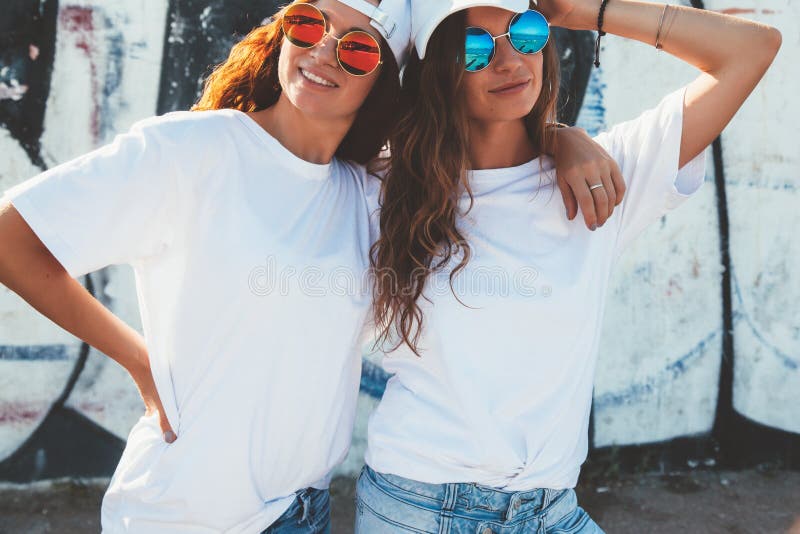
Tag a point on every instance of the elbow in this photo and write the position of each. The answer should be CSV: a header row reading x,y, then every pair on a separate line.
x,y
777,38
764,42
772,43
763,54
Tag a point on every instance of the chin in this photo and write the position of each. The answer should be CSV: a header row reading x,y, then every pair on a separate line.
x,y
311,103
513,113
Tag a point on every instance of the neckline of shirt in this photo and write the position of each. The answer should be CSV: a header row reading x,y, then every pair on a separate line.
x,y
483,178
295,163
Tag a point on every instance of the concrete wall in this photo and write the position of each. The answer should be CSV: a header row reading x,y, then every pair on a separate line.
x,y
702,324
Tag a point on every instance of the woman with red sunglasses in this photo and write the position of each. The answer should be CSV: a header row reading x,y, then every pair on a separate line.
x,y
239,220
491,317
229,215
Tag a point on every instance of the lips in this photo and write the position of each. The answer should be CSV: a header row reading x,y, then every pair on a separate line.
x,y
317,78
511,86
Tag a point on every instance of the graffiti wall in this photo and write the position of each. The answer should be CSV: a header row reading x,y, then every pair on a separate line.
x,y
702,336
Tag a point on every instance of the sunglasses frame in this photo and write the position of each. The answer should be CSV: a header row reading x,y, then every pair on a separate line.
x,y
327,33
507,35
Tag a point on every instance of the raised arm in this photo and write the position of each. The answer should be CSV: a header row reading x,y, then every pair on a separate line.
x,y
732,53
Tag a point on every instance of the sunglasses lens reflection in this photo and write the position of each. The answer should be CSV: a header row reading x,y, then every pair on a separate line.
x,y
529,32
479,49
359,53
303,25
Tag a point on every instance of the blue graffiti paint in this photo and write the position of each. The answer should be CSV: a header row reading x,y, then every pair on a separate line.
x,y
787,360
592,116
750,184
114,59
639,391
373,379
27,353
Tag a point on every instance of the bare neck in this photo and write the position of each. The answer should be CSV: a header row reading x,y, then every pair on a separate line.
x,y
499,144
309,138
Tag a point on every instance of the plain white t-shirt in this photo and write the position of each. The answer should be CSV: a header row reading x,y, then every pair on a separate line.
x,y
248,263
502,393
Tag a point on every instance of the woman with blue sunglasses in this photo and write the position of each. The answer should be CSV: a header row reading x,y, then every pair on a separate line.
x,y
491,316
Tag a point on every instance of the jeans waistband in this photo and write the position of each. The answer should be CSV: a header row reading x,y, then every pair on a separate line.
x,y
480,501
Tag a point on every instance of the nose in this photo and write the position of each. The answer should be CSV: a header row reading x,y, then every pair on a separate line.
x,y
506,58
325,51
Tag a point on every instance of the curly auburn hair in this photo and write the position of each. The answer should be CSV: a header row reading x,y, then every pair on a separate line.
x,y
248,81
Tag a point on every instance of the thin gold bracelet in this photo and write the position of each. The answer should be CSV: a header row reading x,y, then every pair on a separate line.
x,y
673,13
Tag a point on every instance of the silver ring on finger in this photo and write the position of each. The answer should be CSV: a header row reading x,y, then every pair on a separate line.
x,y
595,186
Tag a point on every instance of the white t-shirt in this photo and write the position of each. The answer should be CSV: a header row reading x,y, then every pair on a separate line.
x,y
248,263
502,393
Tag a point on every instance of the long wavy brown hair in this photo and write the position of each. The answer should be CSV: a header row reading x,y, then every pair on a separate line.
x,y
426,174
248,81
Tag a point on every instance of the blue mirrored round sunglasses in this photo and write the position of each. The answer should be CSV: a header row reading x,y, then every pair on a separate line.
x,y
528,32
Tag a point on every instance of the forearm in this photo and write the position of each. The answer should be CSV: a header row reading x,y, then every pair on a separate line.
x,y
30,270
732,53
710,41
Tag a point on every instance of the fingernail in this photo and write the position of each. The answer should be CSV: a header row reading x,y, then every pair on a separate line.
x,y
169,436
593,227
567,210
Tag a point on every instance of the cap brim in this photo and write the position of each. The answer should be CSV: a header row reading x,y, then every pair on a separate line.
x,y
424,35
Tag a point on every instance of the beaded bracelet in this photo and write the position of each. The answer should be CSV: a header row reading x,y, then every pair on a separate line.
x,y
600,33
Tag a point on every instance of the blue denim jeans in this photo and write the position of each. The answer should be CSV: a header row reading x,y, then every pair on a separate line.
x,y
310,513
393,504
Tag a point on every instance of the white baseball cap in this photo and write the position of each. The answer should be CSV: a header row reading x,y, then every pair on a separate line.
x,y
426,15
392,19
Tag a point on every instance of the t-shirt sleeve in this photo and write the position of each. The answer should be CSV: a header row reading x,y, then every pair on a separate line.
x,y
110,206
647,150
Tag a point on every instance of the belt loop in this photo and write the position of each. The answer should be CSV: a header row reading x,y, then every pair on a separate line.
x,y
514,504
547,498
305,503
450,495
